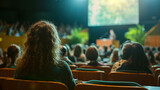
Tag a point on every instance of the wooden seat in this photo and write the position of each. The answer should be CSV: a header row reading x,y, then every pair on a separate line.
x,y
159,80
141,78
111,65
2,82
87,75
157,73
17,84
155,67
72,67
106,69
80,64
83,86
7,72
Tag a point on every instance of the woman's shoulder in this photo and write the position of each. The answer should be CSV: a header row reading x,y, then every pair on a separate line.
x,y
62,64
118,64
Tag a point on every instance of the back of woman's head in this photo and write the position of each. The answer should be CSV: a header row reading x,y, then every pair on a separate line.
x,y
114,56
138,57
72,58
92,53
13,52
63,51
78,50
42,46
126,51
68,50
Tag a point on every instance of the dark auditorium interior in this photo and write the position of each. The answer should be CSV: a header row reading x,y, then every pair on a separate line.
x,y
79,44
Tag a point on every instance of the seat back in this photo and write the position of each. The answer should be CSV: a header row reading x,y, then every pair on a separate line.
x,y
80,64
87,75
111,65
17,84
83,86
7,72
2,79
159,80
157,73
155,67
106,69
72,67
141,78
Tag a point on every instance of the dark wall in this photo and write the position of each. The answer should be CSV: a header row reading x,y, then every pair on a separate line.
x,y
58,11
73,11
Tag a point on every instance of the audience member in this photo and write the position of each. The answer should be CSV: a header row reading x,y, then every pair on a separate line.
x,y
153,50
157,55
64,55
92,56
105,55
72,58
125,55
146,49
151,57
78,53
114,57
4,59
1,53
137,61
13,53
40,59
110,51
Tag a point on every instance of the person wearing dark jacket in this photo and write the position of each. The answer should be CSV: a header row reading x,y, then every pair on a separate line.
x,y
41,57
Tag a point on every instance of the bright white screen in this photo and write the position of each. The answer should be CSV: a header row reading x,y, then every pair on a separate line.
x,y
113,12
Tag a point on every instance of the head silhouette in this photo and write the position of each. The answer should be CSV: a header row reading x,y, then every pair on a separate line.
x,y
41,48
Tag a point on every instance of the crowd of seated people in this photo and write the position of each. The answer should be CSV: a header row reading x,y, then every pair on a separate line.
x,y
44,59
20,28
14,29
10,56
64,30
157,55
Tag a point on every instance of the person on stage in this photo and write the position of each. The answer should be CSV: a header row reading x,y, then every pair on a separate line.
x,y
112,35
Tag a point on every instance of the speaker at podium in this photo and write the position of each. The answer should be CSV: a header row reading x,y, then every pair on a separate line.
x,y
107,42
110,41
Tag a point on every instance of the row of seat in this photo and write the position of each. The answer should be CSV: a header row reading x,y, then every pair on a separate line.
x,y
141,78
78,65
107,70
17,84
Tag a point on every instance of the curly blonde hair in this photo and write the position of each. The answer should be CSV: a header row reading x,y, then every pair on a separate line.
x,y
41,48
